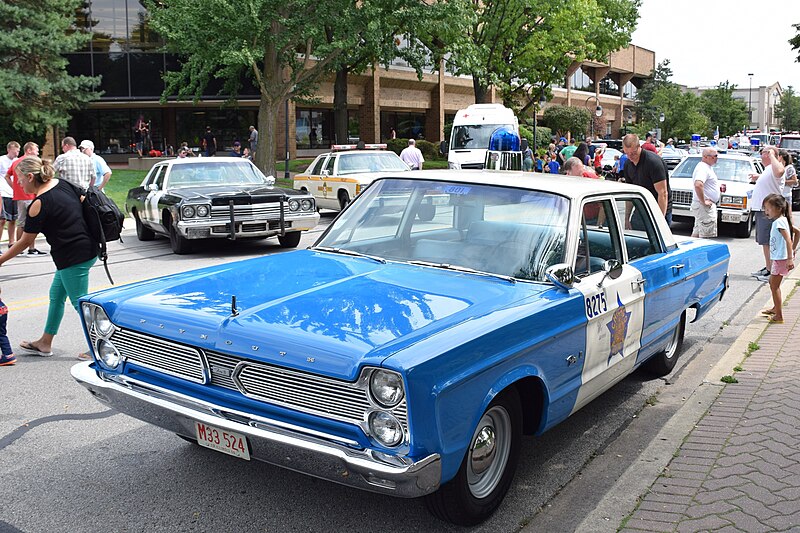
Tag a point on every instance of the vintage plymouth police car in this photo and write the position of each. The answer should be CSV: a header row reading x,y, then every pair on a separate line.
x,y
439,318
217,198
336,177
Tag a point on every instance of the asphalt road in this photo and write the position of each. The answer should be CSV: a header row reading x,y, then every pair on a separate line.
x,y
69,464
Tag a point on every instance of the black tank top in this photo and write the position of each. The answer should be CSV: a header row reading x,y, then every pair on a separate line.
x,y
61,221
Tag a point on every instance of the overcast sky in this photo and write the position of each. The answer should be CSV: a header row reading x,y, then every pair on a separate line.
x,y
710,41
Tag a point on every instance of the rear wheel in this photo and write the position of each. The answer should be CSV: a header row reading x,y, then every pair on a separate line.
x,y
143,233
179,244
344,199
487,469
745,229
663,362
290,240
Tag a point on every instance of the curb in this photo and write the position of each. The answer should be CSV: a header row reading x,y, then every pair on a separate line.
x,y
624,496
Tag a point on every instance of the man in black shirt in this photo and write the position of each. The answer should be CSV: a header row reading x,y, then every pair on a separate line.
x,y
647,170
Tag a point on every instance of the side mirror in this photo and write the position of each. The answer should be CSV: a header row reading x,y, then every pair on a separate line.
x,y
561,275
444,148
612,269
324,173
152,187
270,180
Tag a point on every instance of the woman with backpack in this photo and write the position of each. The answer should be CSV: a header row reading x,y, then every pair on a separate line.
x,y
57,213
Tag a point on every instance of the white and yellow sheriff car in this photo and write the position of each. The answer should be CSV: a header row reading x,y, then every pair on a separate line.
x,y
336,177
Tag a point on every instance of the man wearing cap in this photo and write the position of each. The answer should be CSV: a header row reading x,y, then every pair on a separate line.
x,y
237,150
101,169
73,166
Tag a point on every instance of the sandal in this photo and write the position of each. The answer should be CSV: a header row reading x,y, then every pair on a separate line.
x,y
27,345
767,312
772,320
84,357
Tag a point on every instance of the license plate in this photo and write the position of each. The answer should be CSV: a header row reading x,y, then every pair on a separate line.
x,y
222,440
731,217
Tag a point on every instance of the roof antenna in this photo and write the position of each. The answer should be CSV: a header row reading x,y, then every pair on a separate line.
x,y
234,311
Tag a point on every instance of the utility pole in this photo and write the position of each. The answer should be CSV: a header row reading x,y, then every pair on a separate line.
x,y
750,103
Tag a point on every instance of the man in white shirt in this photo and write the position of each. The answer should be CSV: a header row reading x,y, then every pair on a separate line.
x,y
101,169
412,156
769,182
705,195
8,210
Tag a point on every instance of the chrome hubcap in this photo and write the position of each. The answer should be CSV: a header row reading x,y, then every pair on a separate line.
x,y
483,450
489,452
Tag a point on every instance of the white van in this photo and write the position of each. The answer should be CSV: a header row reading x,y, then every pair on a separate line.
x,y
472,128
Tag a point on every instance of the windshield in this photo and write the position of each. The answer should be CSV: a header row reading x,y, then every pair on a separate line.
x,y
497,230
727,169
374,162
790,144
208,174
474,136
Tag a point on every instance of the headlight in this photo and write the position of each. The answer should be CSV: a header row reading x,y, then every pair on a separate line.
x,y
307,205
202,210
88,316
386,388
736,200
187,211
108,353
294,205
101,321
385,428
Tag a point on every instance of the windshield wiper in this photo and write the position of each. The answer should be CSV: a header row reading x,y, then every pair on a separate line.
x,y
467,270
353,253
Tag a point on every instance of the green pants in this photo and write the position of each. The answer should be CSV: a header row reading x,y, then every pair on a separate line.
x,y
71,281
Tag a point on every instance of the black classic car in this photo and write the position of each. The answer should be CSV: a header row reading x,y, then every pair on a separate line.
x,y
213,198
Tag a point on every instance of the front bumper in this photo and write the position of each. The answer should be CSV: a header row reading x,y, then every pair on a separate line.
x,y
207,229
270,441
726,214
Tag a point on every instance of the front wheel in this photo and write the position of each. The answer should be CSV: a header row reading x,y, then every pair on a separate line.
x,y
290,240
744,229
179,244
344,199
487,469
664,361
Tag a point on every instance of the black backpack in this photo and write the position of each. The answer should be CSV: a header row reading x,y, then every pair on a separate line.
x,y
104,220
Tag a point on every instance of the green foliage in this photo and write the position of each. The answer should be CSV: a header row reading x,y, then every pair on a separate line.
x,y
519,44
543,134
682,115
795,41
35,89
562,119
738,368
430,151
729,379
788,110
723,110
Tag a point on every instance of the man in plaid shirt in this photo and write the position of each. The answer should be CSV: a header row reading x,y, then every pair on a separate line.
x,y
74,166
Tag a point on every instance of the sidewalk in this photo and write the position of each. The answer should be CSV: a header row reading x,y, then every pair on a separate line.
x,y
738,469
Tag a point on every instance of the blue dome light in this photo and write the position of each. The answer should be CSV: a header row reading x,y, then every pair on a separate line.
x,y
504,140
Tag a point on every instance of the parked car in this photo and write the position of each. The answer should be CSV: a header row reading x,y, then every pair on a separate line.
x,y
733,170
335,178
438,318
791,143
217,198
672,156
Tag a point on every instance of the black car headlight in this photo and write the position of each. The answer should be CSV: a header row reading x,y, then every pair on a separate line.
x,y
187,211
307,204
294,205
202,210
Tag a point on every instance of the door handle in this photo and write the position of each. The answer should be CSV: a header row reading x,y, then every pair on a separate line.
x,y
677,268
636,285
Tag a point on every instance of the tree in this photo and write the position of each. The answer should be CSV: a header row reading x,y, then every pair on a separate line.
x,y
795,42
280,46
562,119
519,44
682,115
723,110
788,110
35,88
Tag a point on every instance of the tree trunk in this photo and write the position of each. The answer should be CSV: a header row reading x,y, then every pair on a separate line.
x,y
481,90
340,119
267,131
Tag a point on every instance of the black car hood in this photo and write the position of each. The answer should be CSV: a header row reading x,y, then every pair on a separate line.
x,y
239,194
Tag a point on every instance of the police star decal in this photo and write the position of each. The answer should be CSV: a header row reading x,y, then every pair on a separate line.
x,y
619,330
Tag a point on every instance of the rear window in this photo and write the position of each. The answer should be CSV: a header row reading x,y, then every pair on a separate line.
x,y
790,144
726,169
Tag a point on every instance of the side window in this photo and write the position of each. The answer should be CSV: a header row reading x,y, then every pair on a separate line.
x,y
641,236
599,237
316,169
151,177
329,166
159,179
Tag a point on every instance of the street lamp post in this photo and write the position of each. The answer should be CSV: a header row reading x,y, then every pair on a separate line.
x,y
750,102
661,118
542,101
598,110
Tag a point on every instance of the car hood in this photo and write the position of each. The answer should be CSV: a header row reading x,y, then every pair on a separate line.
x,y
218,194
734,188
312,311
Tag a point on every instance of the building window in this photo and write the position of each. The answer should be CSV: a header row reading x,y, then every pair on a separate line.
x,y
313,128
629,91
227,125
609,86
146,71
580,81
406,125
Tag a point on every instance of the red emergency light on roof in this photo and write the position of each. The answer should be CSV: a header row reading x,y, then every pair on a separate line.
x,y
341,147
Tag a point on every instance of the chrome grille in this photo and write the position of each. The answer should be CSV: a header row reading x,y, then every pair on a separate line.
x,y
682,197
159,354
245,212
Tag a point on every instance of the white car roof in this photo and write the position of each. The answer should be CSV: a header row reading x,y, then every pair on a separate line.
x,y
212,160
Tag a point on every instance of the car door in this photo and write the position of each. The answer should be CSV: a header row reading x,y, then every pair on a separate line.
x,y
613,302
662,274
152,212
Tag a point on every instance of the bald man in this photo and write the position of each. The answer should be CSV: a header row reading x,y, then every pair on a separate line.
x,y
705,195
